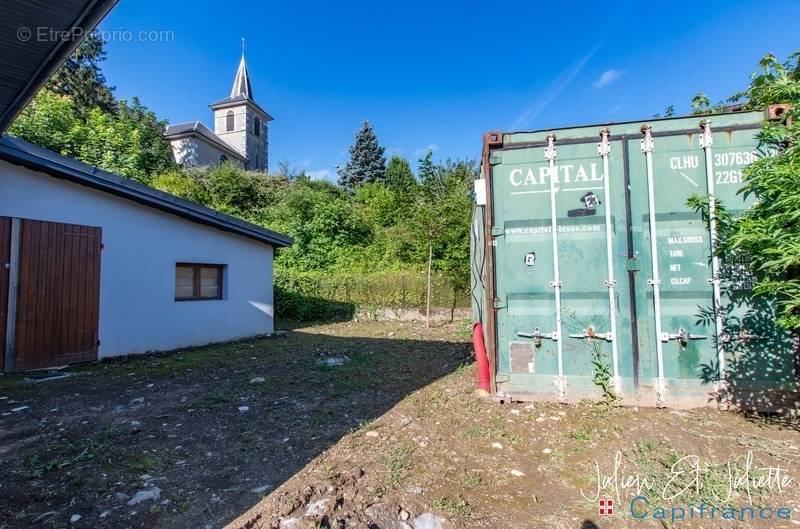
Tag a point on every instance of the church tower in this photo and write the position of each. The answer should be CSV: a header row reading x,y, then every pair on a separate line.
x,y
241,123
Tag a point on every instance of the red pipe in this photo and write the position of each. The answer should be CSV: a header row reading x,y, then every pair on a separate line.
x,y
481,358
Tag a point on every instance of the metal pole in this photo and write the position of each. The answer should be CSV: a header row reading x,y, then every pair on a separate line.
x,y
13,295
706,141
550,156
647,148
604,149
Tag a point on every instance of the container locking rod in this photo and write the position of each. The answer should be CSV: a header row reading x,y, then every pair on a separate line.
x,y
604,150
647,146
706,141
550,156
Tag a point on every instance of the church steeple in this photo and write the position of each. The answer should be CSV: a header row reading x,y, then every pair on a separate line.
x,y
241,123
241,83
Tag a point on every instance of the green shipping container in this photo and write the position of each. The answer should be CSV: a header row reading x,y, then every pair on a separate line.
x,y
603,275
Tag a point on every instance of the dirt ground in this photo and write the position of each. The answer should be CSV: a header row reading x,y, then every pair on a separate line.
x,y
365,425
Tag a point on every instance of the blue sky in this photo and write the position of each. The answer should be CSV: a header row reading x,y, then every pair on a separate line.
x,y
438,74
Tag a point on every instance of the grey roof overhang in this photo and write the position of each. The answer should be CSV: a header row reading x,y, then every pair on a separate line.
x,y
19,152
33,44
197,129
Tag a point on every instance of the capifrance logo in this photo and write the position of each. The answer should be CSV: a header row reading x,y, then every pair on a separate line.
x,y
641,509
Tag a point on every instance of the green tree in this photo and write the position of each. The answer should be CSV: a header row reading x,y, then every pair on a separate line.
x,y
81,79
367,163
442,220
129,142
399,175
769,231
701,104
48,121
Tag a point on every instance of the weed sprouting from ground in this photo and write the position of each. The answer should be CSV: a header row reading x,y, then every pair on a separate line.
x,y
362,428
475,432
458,507
398,463
471,480
603,376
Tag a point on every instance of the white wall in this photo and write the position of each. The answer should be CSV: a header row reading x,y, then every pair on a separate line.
x,y
192,151
137,274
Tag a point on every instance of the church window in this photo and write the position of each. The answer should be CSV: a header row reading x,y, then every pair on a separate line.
x,y
257,126
229,121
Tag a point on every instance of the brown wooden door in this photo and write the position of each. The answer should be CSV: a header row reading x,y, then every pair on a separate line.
x,y
58,299
5,263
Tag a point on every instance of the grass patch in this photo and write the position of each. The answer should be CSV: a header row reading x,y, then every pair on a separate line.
x,y
471,480
475,432
398,463
362,428
455,508
216,400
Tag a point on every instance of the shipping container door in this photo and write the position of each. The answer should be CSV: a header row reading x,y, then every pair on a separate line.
x,y
679,327
528,332
58,296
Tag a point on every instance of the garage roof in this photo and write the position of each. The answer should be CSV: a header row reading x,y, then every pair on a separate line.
x,y
26,154
36,37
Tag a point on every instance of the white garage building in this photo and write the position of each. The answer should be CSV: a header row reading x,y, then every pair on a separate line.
x,y
94,265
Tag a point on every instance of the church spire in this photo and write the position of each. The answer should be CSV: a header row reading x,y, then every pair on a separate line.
x,y
241,83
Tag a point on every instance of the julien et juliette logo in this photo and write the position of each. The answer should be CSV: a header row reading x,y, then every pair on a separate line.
x,y
685,493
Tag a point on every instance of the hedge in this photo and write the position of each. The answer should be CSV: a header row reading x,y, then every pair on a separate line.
x,y
319,295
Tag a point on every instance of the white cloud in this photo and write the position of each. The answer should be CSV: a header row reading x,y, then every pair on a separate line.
x,y
320,174
422,151
608,77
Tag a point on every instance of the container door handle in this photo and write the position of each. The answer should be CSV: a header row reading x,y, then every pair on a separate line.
x,y
590,334
537,336
742,336
682,336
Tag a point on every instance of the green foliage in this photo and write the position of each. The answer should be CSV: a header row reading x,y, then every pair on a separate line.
x,y
367,163
322,295
129,142
76,115
701,104
775,82
399,174
603,375
80,78
768,233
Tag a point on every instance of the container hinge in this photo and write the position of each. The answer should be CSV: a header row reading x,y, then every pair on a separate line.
x,y
610,284
647,144
498,304
550,149
498,231
706,139
560,382
555,284
661,392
